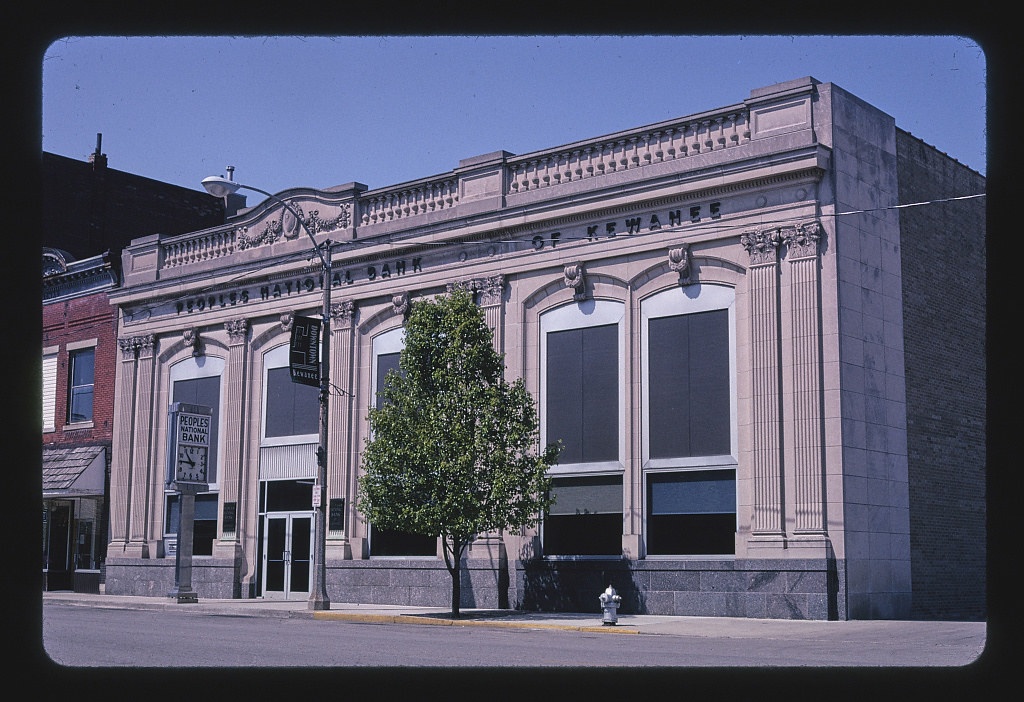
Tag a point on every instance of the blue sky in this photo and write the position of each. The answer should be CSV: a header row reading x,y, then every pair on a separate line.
x,y
381,110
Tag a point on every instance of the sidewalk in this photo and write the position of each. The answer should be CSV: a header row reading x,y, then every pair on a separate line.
x,y
968,636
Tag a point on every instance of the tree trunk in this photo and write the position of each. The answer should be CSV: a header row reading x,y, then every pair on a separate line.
x,y
453,561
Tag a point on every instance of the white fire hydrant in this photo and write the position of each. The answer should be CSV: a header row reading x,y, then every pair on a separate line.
x,y
610,605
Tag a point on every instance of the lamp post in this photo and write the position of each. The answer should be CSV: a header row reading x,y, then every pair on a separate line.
x,y
318,599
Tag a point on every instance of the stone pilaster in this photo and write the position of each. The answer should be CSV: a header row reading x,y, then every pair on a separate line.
x,y
808,422
145,478
121,465
341,468
232,477
768,507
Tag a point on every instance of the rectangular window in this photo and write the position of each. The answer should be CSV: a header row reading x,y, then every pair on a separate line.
x,y
203,391
80,384
689,385
204,529
586,519
49,391
582,393
293,409
691,513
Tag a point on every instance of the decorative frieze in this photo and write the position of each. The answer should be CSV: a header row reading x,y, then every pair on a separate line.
x,y
488,291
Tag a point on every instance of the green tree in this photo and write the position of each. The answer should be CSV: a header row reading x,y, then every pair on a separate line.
x,y
453,447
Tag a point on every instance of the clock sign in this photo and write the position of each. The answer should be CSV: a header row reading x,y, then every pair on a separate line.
x,y
189,439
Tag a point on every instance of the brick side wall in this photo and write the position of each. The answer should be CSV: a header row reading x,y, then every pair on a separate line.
x,y
944,272
78,319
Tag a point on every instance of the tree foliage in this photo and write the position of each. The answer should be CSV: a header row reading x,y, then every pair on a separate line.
x,y
453,447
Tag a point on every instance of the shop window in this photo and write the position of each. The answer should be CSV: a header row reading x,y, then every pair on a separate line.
x,y
586,518
80,384
204,527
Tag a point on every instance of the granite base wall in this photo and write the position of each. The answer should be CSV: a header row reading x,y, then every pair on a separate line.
x,y
423,583
768,589
212,578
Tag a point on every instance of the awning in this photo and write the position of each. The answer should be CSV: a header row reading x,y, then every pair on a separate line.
x,y
74,472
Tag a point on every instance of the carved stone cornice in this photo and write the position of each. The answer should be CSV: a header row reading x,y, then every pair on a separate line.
x,y
133,345
575,277
762,245
802,240
237,329
679,261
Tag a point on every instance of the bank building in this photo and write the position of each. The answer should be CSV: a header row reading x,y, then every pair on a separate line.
x,y
757,331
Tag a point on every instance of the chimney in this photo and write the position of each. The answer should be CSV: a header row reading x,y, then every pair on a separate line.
x,y
97,159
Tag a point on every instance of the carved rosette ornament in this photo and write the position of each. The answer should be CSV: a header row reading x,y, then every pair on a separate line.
x,y
679,261
400,301
190,337
762,245
576,278
802,240
237,329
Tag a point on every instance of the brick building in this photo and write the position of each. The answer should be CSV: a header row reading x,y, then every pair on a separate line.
x,y
90,212
738,323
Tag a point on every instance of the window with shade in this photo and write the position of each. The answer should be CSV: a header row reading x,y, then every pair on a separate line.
x,y
689,435
581,401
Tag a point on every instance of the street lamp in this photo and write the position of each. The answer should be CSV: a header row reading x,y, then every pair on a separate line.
x,y
318,599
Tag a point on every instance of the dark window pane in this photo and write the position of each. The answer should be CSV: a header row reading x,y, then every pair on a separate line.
x,y
691,534
289,495
582,393
390,542
80,385
583,535
688,385
292,408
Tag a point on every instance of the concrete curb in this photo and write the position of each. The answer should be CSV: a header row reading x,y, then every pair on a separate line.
x,y
434,621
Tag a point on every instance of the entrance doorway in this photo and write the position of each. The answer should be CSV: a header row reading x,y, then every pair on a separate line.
x,y
287,556
285,568
58,554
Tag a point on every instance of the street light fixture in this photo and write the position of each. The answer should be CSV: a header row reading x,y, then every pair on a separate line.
x,y
318,599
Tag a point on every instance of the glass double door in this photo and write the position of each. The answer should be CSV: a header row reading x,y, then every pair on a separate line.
x,y
287,555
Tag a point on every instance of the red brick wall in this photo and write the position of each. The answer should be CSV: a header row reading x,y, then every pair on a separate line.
x,y
943,259
78,319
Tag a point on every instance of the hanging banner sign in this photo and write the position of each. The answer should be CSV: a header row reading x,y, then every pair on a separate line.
x,y
304,351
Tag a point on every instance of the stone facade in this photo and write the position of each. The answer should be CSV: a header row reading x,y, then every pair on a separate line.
x,y
726,290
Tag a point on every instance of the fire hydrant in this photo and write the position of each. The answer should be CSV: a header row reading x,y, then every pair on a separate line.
x,y
610,604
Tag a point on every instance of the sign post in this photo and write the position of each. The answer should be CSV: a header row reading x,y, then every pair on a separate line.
x,y
188,451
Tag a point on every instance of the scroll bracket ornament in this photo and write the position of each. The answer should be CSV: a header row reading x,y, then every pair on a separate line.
x,y
679,261
575,277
